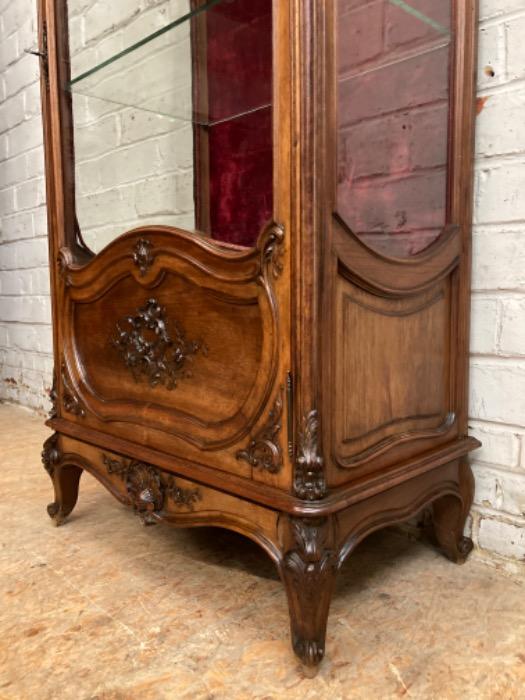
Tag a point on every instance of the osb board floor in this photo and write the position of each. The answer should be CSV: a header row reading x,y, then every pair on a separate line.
x,y
104,609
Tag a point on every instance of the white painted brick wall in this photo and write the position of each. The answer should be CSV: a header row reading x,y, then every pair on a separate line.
x,y
498,323
25,331
497,403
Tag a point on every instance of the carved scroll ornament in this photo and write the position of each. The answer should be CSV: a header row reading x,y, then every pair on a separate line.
x,y
270,246
153,347
264,450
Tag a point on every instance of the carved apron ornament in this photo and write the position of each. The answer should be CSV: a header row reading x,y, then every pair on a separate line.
x,y
153,347
146,489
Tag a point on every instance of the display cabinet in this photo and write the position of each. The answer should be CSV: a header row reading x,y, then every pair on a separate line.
x,y
259,216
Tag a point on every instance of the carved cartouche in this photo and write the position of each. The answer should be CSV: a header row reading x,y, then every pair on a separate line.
x,y
154,348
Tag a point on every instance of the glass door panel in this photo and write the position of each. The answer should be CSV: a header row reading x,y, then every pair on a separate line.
x,y
393,96
172,114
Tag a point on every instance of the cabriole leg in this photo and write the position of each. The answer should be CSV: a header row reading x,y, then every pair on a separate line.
x,y
308,571
65,478
450,515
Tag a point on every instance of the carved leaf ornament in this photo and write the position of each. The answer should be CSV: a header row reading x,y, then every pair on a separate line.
x,y
309,479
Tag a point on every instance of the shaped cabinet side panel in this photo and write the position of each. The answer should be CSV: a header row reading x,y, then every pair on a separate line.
x,y
178,350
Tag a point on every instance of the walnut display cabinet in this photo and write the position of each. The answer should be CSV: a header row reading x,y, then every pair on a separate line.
x,y
259,216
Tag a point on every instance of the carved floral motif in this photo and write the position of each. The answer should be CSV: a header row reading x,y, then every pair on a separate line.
x,y
152,350
264,450
142,255
147,490
309,478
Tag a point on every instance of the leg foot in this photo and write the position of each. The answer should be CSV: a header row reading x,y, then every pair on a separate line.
x,y
450,515
310,671
65,478
58,518
308,571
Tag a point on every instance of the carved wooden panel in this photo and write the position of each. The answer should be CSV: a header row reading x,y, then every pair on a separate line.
x,y
176,335
119,368
392,370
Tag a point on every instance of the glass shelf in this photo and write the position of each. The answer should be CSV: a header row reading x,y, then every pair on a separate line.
x,y
413,11
184,17
152,75
172,115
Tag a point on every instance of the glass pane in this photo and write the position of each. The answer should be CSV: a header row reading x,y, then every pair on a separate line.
x,y
393,113
172,111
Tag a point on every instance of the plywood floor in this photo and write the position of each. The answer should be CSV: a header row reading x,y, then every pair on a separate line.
x,y
104,609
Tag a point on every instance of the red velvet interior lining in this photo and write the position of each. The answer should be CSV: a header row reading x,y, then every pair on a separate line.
x,y
239,66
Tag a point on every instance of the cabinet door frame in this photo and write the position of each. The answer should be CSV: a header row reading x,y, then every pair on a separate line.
x,y
445,262
265,268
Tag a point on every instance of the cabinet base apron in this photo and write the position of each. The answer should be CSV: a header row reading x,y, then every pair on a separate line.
x,y
308,541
